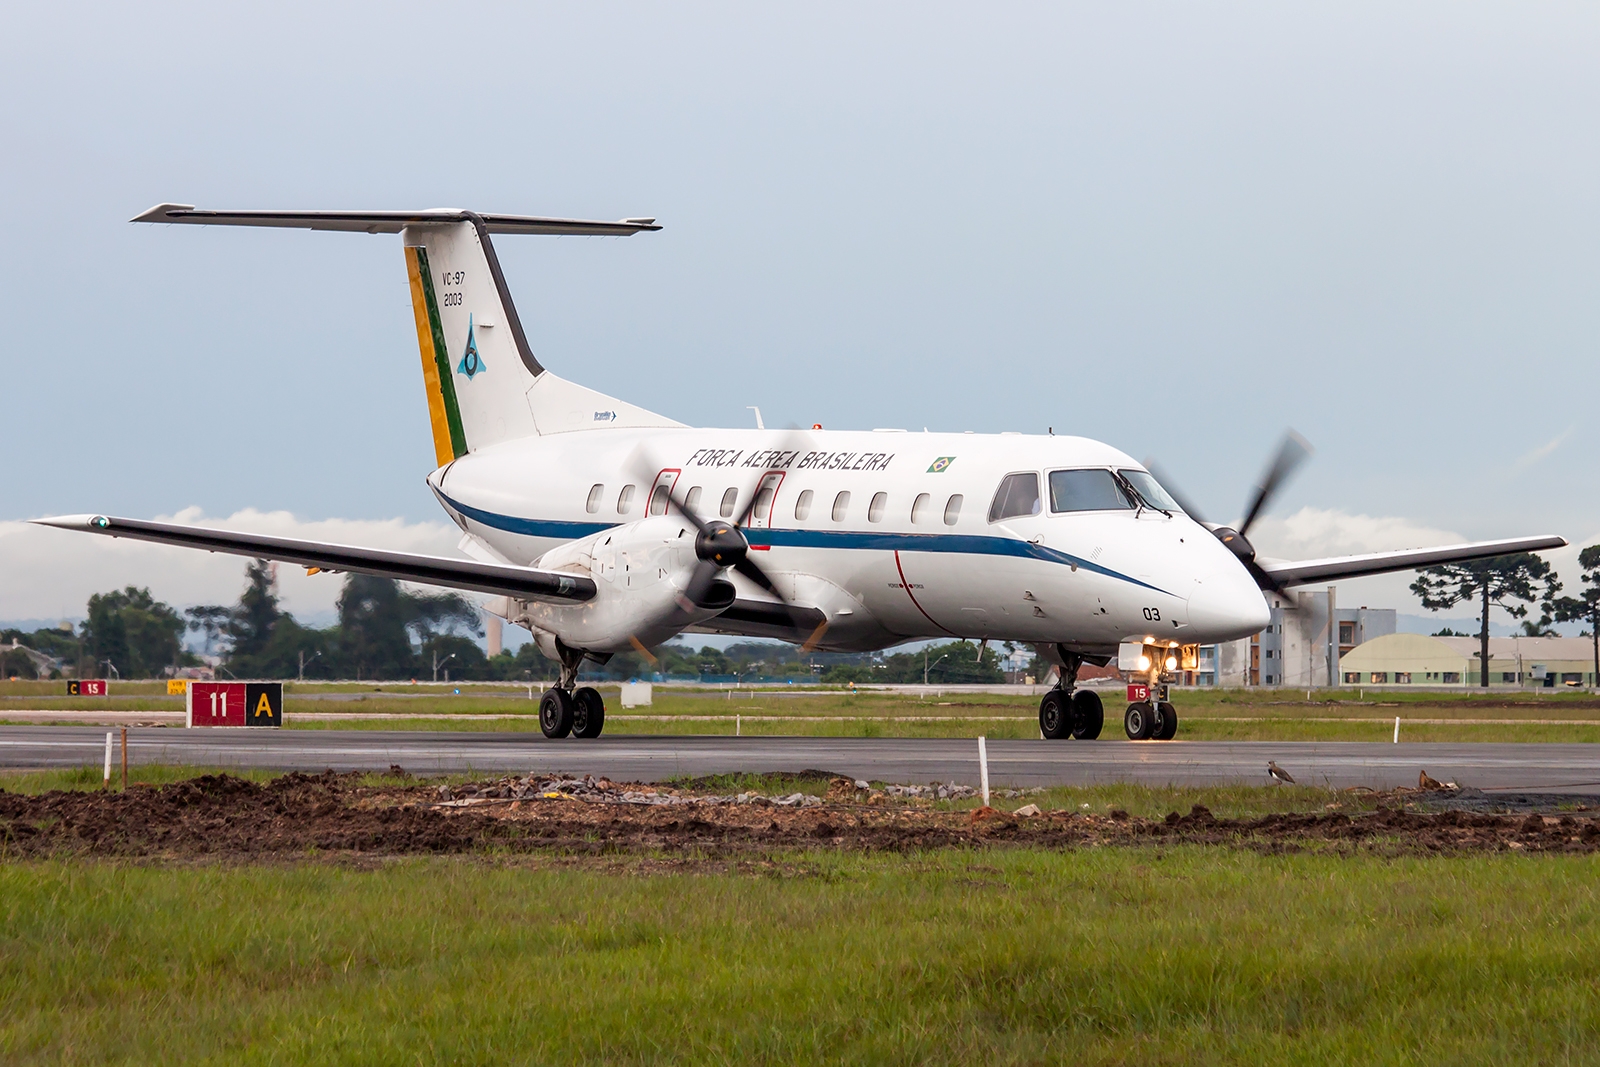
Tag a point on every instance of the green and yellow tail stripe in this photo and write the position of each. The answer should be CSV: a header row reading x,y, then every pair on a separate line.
x,y
449,439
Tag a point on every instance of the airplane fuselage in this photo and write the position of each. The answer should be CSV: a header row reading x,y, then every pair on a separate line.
x,y
893,535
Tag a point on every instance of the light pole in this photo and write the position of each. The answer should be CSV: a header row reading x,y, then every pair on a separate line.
x,y
303,661
936,662
112,667
437,662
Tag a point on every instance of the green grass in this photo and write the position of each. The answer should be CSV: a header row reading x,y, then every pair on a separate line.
x,y
1100,956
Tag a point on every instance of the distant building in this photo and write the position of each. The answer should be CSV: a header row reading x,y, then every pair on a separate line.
x,y
1297,648
1415,659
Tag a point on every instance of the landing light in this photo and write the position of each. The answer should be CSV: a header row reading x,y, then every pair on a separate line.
x,y
1172,663
1144,663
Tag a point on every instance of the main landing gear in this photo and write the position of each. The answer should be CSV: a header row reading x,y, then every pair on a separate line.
x,y
1067,711
564,710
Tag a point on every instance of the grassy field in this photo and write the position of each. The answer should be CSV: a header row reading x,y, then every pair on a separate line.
x,y
1097,956
1205,714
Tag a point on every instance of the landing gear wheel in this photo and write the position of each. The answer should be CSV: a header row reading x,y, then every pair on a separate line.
x,y
1167,722
1139,721
555,713
588,713
1088,714
1055,715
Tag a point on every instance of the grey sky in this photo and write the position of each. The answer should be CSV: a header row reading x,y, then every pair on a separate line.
x,y
1173,227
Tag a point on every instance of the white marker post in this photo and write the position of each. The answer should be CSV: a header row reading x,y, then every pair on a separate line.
x,y
736,726
106,782
1397,729
983,769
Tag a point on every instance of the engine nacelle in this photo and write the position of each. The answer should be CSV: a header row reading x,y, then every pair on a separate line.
x,y
641,570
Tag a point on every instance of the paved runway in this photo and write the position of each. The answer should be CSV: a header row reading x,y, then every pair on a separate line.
x,y
1571,768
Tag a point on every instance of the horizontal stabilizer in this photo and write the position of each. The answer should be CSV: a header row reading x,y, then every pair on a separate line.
x,y
1304,572
497,579
393,221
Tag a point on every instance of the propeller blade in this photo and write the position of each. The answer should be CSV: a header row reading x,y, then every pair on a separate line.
x,y
1265,580
705,572
1294,451
1160,475
751,570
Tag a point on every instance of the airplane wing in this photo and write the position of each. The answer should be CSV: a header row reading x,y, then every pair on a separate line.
x,y
495,578
1303,572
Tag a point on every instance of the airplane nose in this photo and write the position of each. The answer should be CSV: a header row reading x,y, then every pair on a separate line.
x,y
1228,606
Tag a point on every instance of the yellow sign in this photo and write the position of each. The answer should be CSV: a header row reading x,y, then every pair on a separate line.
x,y
264,706
176,687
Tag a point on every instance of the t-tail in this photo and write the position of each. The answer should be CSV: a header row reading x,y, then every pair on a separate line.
x,y
484,384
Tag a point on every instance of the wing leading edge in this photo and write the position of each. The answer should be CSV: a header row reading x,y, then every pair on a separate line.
x,y
1303,572
495,578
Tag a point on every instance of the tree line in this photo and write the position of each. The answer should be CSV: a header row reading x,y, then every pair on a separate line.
x,y
386,632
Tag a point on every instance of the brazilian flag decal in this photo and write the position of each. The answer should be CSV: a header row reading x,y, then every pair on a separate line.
x,y
449,439
941,464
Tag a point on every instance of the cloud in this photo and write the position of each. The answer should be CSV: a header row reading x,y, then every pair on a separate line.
x,y
47,573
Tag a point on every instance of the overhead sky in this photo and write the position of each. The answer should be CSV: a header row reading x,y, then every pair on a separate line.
x,y
1178,228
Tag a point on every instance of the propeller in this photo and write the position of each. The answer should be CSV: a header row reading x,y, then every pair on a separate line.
x,y
1293,450
721,545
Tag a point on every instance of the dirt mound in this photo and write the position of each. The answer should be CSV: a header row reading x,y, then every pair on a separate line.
x,y
220,816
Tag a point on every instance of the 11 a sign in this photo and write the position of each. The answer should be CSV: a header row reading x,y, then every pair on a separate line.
x,y
234,704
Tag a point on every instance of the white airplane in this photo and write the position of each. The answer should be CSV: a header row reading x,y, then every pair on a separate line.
x,y
603,527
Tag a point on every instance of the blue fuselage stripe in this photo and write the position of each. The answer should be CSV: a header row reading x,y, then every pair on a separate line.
x,y
967,544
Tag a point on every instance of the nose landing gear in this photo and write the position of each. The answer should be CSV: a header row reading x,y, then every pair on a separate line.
x,y
1150,715
1067,711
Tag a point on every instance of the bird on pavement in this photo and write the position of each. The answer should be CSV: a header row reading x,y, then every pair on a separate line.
x,y
1425,782
1278,774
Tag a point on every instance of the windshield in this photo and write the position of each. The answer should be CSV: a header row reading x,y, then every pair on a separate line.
x,y
1092,490
1151,490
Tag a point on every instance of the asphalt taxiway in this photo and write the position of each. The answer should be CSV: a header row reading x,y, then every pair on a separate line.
x,y
1550,768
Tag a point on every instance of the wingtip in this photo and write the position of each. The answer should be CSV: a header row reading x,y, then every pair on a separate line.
x,y
159,213
73,522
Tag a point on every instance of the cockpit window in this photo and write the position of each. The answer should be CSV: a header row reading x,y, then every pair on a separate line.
x,y
1146,486
1017,495
1092,490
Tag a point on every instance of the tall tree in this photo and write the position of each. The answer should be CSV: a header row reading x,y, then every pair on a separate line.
x,y
1586,606
1500,581
252,620
137,633
377,619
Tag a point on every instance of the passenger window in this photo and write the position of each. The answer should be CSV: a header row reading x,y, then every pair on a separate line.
x,y
802,506
593,504
841,504
875,509
952,510
729,498
919,507
1018,495
658,501
625,500
1094,490
691,503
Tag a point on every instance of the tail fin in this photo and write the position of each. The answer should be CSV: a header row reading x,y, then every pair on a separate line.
x,y
484,384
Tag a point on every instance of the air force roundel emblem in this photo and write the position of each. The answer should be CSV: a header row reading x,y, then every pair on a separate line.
x,y
471,363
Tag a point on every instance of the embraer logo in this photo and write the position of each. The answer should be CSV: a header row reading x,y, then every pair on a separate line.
x,y
471,362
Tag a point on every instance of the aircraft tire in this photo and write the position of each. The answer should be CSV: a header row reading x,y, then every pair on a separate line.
x,y
1167,726
1088,715
555,713
588,713
1055,715
1139,721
